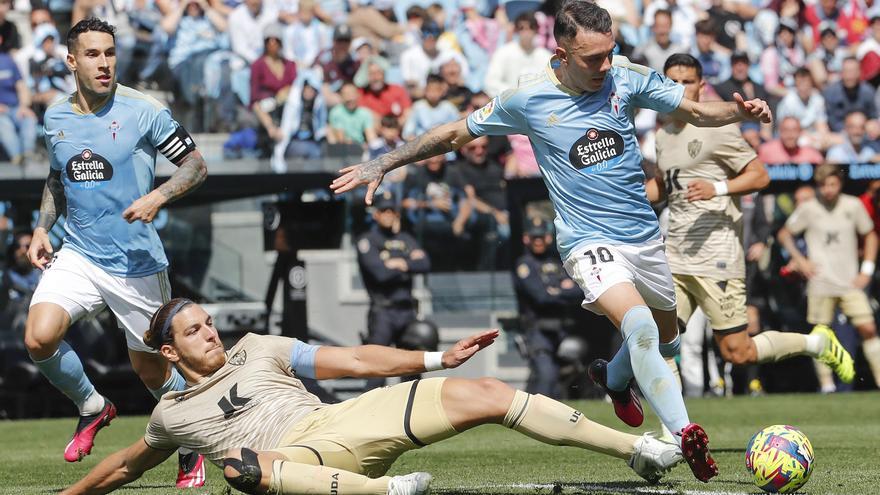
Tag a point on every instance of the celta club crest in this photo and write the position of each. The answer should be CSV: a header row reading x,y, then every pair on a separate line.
x,y
615,102
114,128
694,148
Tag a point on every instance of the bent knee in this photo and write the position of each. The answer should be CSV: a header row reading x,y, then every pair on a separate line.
x,y
241,468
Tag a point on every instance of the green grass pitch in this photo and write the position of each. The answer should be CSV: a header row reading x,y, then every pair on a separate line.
x,y
844,430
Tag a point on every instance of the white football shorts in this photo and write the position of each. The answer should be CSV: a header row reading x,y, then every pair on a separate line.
x,y
596,267
82,288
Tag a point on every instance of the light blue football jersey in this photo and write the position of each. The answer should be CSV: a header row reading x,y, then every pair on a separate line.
x,y
107,161
586,147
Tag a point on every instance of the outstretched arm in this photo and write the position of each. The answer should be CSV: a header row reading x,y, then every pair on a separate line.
x,y
379,361
53,204
119,468
719,113
752,178
439,140
191,172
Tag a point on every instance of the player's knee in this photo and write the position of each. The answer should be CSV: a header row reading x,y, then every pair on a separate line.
x,y
40,345
493,391
867,331
242,471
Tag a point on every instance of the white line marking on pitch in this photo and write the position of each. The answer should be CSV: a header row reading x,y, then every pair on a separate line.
x,y
603,489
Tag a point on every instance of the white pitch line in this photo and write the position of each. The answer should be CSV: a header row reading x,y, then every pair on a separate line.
x,y
601,489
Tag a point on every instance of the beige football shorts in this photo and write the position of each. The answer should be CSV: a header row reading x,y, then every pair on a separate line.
x,y
854,305
723,301
367,434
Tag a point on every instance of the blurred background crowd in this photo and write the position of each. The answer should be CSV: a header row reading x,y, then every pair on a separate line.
x,y
292,81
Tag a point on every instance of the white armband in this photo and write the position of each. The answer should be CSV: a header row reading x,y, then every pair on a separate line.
x,y
867,267
433,361
720,188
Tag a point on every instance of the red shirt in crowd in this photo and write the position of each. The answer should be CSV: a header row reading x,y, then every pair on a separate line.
x,y
773,153
391,100
264,82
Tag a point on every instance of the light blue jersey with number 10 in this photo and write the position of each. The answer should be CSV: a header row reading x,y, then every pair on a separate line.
x,y
586,148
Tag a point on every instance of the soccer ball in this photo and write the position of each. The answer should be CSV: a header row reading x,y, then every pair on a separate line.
x,y
780,458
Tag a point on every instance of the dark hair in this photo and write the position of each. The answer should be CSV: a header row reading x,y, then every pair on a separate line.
x,y
666,12
390,121
527,17
16,238
683,60
706,26
803,72
827,170
578,14
156,336
434,78
90,24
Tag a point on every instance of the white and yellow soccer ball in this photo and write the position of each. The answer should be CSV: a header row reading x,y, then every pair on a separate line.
x,y
780,458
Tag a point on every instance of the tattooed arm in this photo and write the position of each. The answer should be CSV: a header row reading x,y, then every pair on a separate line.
x,y
439,140
191,172
53,204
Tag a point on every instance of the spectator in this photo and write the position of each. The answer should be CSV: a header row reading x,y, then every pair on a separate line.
x,y
456,92
786,149
659,47
19,281
197,30
739,81
48,71
780,61
805,104
271,77
479,37
482,179
714,58
826,61
245,21
20,278
307,36
850,21
854,148
420,60
438,212
430,111
871,44
18,123
516,57
336,64
684,16
349,122
303,122
389,138
374,22
377,95
847,95
9,37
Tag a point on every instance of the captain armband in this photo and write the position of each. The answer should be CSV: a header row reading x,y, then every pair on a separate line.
x,y
177,146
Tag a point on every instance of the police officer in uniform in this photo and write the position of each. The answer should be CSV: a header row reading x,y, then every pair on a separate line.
x,y
546,297
388,259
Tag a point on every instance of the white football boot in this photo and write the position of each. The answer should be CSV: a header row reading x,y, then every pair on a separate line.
x,y
410,484
653,458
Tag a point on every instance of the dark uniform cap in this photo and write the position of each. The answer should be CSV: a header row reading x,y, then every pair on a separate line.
x,y
537,228
385,201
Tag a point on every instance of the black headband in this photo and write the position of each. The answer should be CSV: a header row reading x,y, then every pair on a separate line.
x,y
176,309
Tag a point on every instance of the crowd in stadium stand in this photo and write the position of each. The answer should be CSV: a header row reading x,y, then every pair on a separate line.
x,y
288,80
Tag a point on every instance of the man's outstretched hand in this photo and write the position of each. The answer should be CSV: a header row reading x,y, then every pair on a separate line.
x,y
756,109
369,174
467,347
